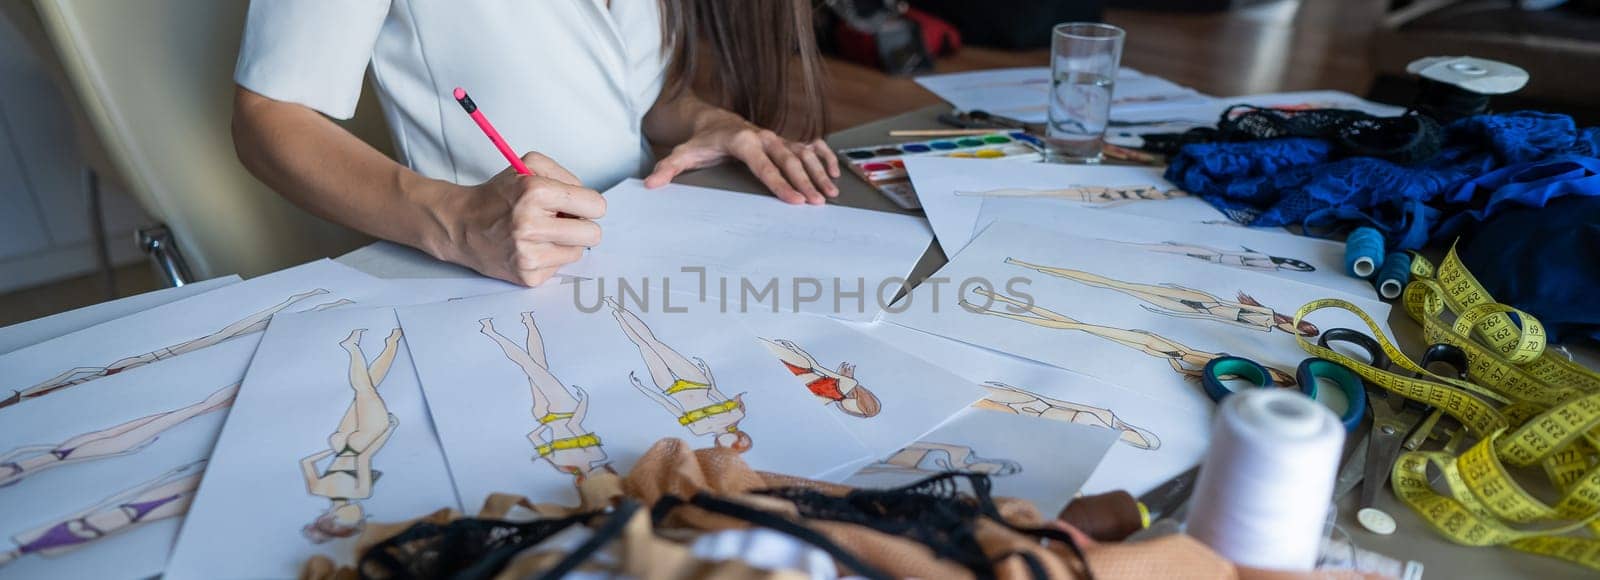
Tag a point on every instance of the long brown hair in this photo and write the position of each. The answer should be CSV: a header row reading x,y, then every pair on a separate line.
x,y
767,67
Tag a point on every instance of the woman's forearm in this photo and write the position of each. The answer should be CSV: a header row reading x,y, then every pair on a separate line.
x,y
669,123
326,170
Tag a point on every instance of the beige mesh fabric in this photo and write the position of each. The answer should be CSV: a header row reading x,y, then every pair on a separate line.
x,y
671,467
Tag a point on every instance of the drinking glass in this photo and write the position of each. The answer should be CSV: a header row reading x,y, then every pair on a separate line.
x,y
1083,69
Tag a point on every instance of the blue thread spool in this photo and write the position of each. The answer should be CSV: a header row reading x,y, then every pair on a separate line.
x,y
1395,274
1363,252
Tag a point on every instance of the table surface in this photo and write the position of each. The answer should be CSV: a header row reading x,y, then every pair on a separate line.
x,y
1413,541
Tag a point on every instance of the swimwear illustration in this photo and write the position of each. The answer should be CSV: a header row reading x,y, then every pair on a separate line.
x,y
560,437
1173,300
928,457
683,387
365,428
124,439
164,497
1008,399
254,323
838,388
1185,360
1243,258
1099,195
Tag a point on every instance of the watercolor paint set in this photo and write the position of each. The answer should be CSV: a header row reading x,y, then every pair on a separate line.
x,y
884,167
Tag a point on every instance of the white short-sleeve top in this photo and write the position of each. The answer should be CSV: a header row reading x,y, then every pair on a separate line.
x,y
571,79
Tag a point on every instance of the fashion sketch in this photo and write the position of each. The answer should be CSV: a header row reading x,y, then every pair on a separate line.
x,y
1184,359
254,323
1099,195
928,457
1008,399
367,425
683,387
560,439
1173,300
836,388
166,496
124,439
1243,258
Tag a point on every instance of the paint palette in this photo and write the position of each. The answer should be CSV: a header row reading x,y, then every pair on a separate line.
x,y
884,166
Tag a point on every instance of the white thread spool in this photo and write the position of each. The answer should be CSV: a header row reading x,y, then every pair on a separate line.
x,y
1263,493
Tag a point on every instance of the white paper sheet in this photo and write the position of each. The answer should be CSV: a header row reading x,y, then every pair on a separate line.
x,y
1042,461
1156,439
1142,320
1273,252
808,255
1024,93
880,394
306,406
104,451
41,329
173,329
609,385
954,193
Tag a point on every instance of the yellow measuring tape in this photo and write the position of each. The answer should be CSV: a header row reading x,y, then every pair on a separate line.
x,y
1527,407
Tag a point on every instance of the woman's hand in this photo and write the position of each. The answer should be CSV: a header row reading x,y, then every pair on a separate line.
x,y
508,228
794,172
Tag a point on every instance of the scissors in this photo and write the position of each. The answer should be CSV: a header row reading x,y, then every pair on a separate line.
x,y
1308,376
1395,426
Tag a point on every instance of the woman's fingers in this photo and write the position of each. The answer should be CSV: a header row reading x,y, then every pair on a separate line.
x,y
545,194
793,169
666,170
818,172
828,157
544,166
561,231
755,156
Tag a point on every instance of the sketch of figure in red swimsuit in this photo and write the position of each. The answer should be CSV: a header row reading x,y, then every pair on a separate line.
x,y
837,388
126,438
684,387
163,497
254,323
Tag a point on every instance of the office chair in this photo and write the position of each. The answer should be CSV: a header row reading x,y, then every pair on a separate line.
x,y
155,80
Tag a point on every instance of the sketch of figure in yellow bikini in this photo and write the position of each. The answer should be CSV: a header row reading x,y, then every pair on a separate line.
x,y
1242,258
77,376
1098,195
124,439
836,388
1184,359
560,438
365,428
1008,399
166,496
929,457
683,387
1173,300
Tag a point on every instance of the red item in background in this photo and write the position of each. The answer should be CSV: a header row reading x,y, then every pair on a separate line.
x,y
941,38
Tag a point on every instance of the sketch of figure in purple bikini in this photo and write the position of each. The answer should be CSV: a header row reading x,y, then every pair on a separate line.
x,y
123,439
164,497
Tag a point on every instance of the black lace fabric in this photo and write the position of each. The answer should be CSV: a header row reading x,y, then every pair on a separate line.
x,y
462,549
1405,139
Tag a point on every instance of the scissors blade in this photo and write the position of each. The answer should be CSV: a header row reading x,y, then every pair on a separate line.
x,y
1354,469
1166,498
1383,448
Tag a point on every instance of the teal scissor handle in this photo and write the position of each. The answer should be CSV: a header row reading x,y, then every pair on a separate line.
x,y
1231,366
1349,383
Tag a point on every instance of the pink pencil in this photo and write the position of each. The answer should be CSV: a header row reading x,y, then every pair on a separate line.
x,y
489,130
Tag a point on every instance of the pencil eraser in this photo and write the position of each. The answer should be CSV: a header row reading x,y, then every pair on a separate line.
x,y
459,93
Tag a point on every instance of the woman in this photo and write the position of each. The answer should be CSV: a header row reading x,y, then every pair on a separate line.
x,y
1185,360
1243,258
839,389
251,324
163,497
592,85
682,387
365,428
1100,195
560,437
1175,300
129,437
1008,399
928,458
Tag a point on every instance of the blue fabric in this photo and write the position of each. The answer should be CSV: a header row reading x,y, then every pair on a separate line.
x,y
1279,182
1546,262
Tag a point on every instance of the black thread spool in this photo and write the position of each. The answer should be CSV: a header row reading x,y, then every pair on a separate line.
x,y
1452,87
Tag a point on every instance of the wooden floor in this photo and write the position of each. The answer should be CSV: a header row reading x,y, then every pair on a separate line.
x,y
1274,46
